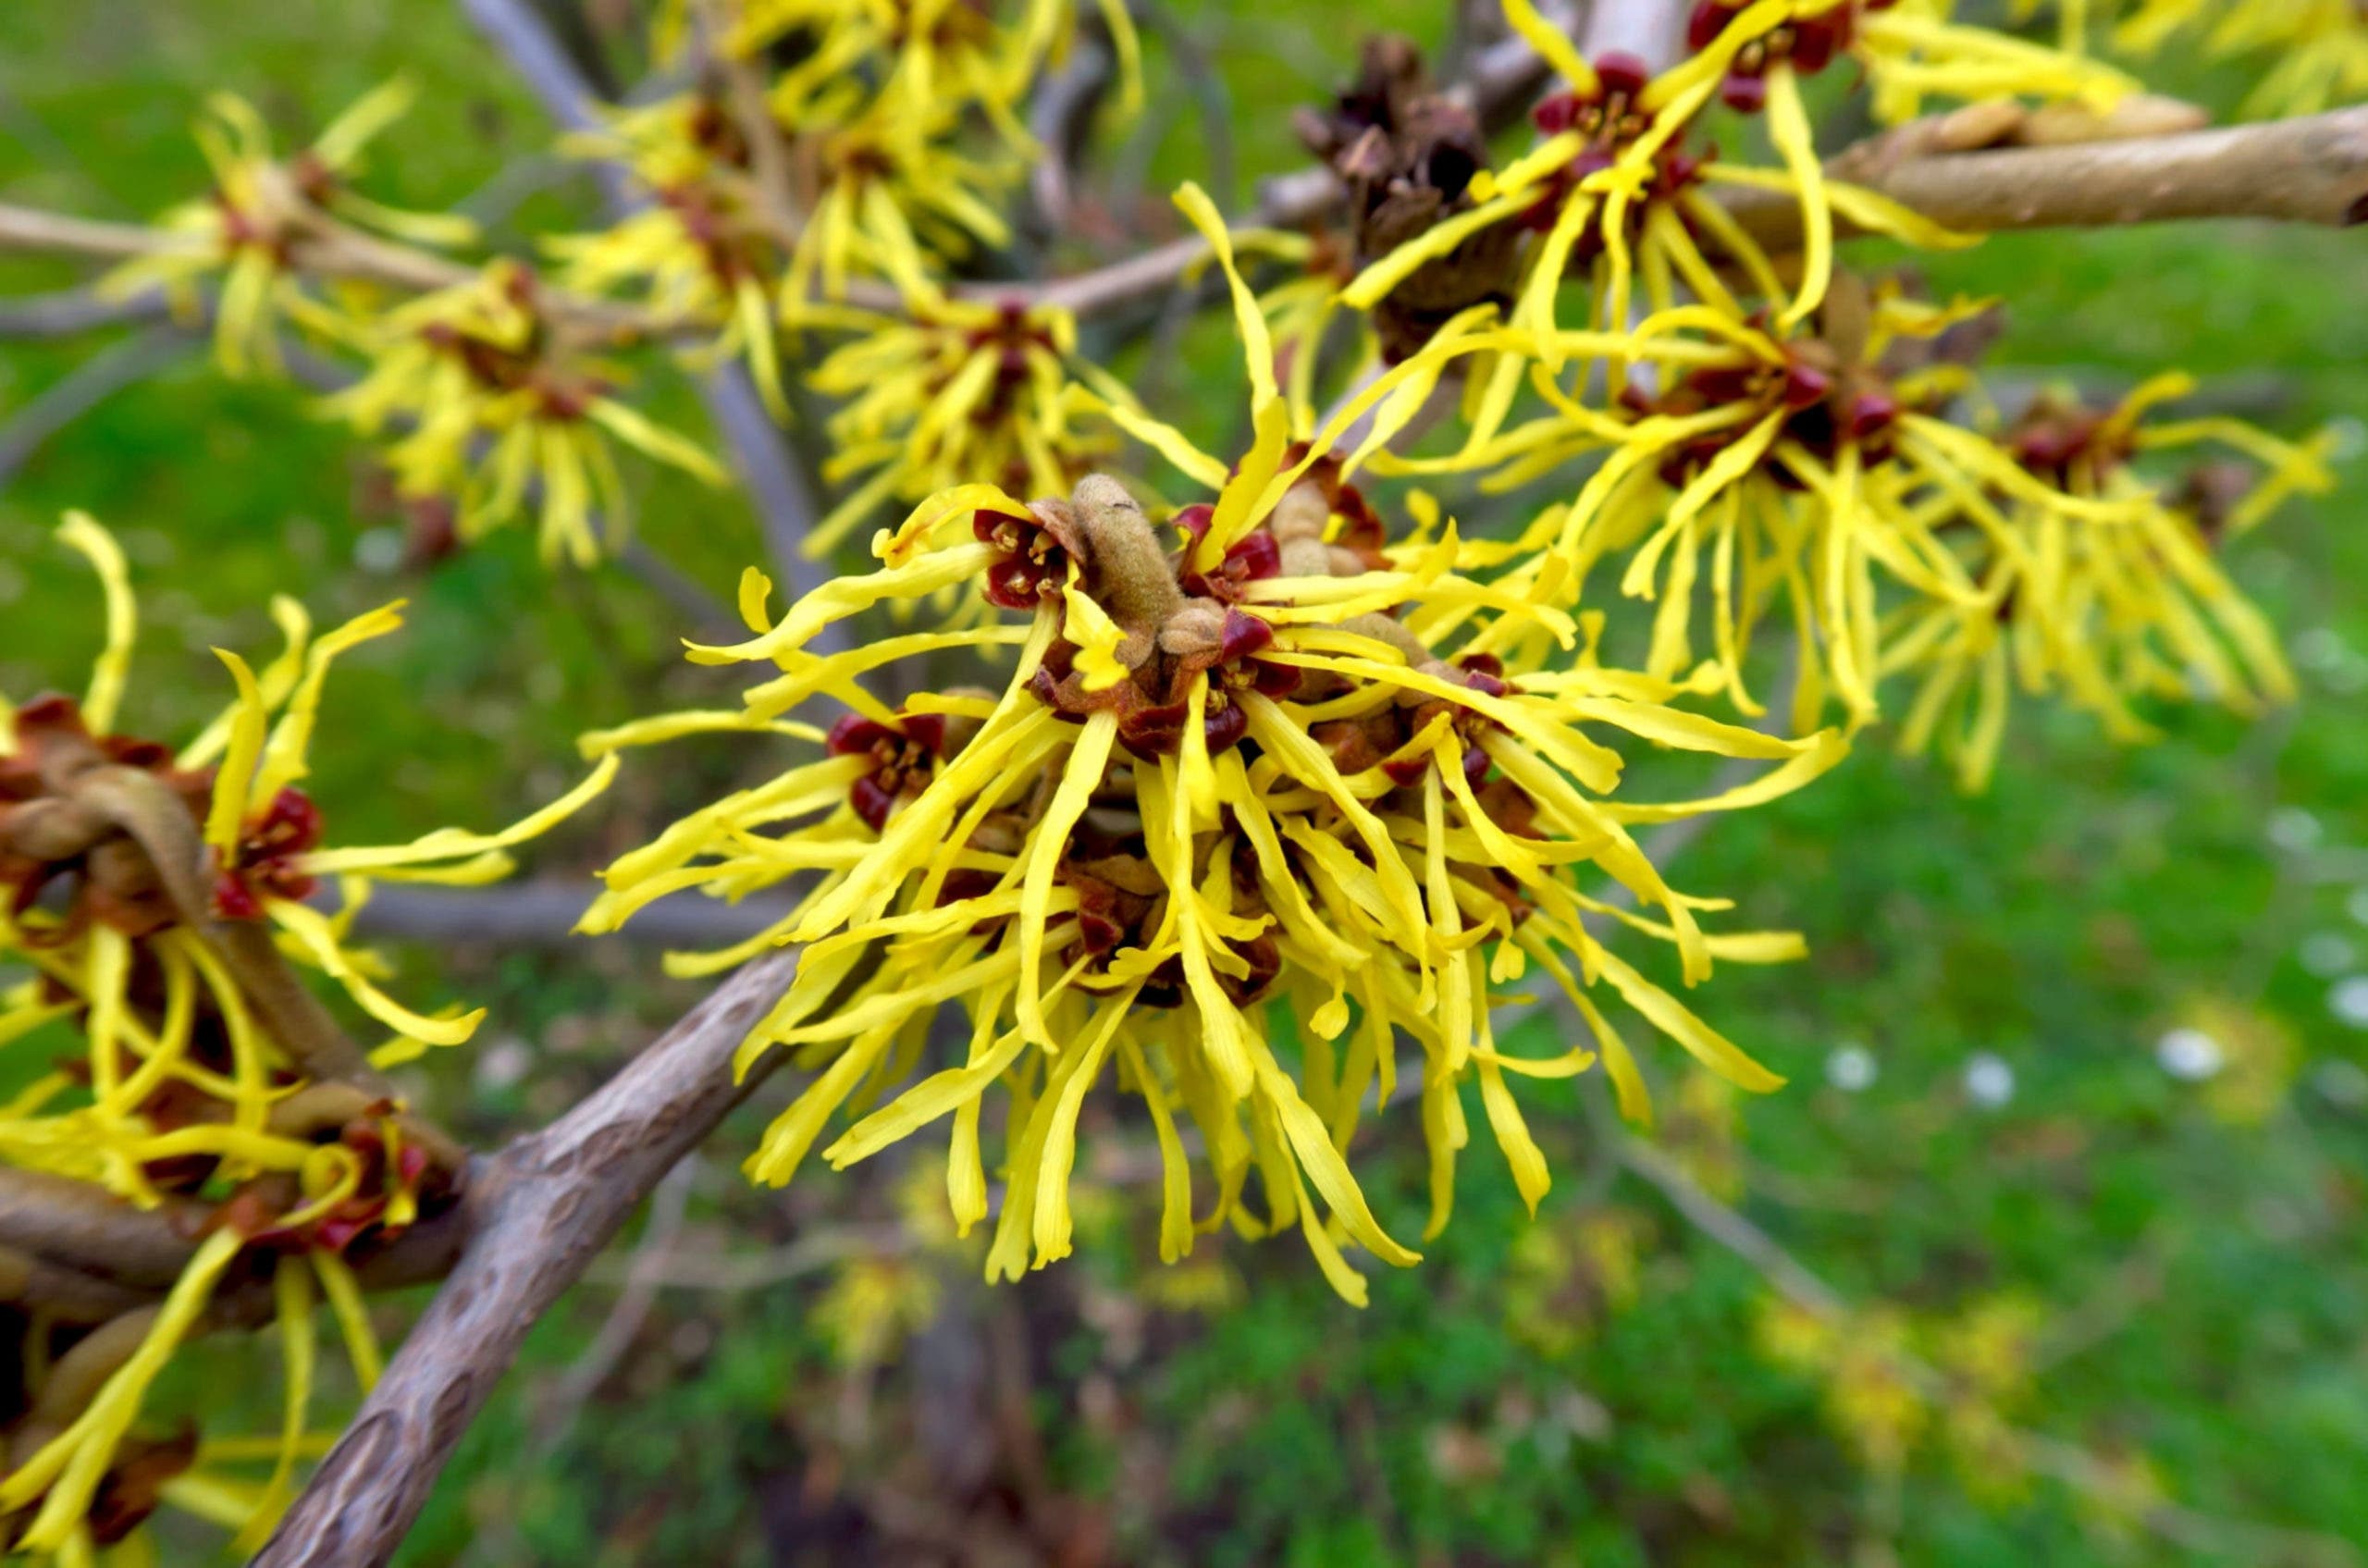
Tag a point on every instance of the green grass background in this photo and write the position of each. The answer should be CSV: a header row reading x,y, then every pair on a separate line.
x,y
2201,1283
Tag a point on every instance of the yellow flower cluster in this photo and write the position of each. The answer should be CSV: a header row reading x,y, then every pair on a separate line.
x,y
950,390
218,1115
2319,48
497,397
1225,797
1271,773
253,228
874,180
1285,779
1779,444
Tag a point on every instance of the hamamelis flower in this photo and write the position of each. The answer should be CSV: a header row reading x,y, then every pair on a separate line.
x,y
157,899
2107,610
2321,46
949,391
699,250
961,52
1793,470
262,212
1617,190
1910,51
1228,773
499,401
110,844
884,192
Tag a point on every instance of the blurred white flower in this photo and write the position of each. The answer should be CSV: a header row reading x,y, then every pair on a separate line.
x,y
1851,1067
2328,954
379,551
2293,829
505,1063
2189,1055
2349,1001
2343,1083
1988,1081
2350,436
2320,647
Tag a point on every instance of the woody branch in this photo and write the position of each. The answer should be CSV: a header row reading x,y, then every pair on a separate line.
x,y
540,1212
2309,170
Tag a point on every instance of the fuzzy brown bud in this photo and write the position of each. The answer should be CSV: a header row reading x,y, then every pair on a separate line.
x,y
1127,571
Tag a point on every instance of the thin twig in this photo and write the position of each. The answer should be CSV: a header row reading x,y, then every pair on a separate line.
x,y
1059,114
702,612
31,228
323,247
521,37
1653,31
732,1273
82,389
71,312
1731,1229
543,914
777,483
79,1225
2068,1463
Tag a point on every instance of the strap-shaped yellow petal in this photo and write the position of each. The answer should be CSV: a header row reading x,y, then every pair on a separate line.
x,y
113,666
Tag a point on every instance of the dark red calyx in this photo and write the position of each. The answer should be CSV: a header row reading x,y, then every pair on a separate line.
x,y
903,752
1622,75
1243,636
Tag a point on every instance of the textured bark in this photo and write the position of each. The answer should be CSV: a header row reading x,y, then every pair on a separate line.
x,y
78,1225
541,1211
1653,31
2311,170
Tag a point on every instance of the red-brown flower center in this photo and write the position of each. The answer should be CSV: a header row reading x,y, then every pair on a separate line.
x,y
903,753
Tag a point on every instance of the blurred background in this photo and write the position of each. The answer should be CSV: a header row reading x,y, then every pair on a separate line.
x,y
2050,1253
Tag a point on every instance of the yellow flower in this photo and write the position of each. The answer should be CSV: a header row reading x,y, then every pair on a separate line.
x,y
499,400
2321,46
885,192
1866,1367
157,898
1611,193
1567,1280
950,390
1261,767
701,251
252,228
953,51
870,1307
1772,469
2119,597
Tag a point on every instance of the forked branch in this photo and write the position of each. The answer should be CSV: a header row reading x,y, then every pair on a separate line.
x,y
540,1212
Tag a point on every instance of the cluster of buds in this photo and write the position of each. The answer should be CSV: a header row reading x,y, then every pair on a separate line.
x,y
1407,155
